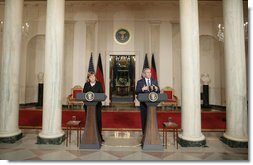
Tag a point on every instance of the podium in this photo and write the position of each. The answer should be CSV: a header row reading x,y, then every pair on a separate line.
x,y
91,138
151,139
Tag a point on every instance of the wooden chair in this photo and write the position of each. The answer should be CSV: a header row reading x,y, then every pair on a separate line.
x,y
170,127
72,97
172,99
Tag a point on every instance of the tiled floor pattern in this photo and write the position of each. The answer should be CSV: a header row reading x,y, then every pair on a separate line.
x,y
119,146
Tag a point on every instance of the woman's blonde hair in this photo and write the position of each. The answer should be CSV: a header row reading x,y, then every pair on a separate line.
x,y
90,74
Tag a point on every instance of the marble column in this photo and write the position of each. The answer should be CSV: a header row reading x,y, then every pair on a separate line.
x,y
52,132
9,76
236,134
191,111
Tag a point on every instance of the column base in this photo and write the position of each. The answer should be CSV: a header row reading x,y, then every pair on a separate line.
x,y
11,139
55,141
233,143
206,107
187,143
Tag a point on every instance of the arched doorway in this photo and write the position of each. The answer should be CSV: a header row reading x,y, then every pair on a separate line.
x,y
212,63
122,78
34,65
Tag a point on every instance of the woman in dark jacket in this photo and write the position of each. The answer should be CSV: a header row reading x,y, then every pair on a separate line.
x,y
95,86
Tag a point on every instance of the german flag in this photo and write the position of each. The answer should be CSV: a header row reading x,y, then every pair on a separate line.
x,y
99,72
153,68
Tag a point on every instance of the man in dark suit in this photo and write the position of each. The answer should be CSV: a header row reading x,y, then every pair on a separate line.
x,y
146,85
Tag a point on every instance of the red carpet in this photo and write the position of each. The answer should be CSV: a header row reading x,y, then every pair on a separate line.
x,y
211,121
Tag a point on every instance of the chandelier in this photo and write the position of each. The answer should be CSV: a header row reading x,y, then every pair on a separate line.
x,y
25,27
1,26
220,33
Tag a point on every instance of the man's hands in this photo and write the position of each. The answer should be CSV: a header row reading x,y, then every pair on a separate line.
x,y
149,88
155,88
145,88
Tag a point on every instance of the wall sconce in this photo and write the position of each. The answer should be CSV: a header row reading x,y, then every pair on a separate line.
x,y
25,27
1,26
220,33
246,24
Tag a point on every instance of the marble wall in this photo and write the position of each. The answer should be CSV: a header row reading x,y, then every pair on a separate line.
x,y
90,27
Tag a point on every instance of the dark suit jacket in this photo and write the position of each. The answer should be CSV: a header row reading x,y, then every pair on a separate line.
x,y
97,88
142,82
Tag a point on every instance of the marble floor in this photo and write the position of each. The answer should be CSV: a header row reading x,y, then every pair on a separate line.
x,y
120,146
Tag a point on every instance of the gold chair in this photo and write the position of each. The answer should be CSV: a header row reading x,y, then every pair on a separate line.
x,y
172,99
72,97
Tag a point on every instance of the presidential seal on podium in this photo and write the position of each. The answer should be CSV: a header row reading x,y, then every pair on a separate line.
x,y
89,96
153,97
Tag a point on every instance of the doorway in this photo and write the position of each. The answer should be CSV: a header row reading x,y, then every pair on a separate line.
x,y
122,78
35,64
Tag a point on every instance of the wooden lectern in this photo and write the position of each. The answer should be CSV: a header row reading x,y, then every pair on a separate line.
x,y
91,138
151,139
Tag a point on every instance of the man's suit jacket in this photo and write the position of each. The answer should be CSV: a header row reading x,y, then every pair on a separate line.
x,y
142,82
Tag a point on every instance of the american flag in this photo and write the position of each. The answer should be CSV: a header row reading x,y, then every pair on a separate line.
x,y
145,64
99,73
91,65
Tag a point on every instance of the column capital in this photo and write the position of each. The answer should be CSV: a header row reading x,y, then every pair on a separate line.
x,y
69,22
155,22
90,22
